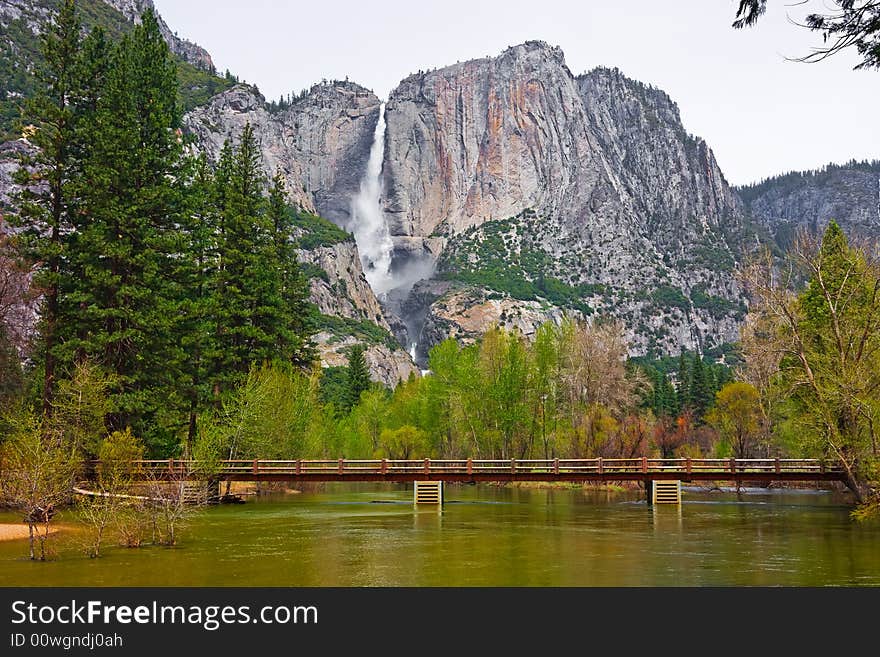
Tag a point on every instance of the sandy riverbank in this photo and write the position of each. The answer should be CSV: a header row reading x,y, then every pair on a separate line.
x,y
16,531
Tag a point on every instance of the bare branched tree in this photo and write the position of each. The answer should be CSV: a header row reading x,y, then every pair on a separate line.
x,y
36,478
173,496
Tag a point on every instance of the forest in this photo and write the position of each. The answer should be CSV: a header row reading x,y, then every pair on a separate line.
x,y
174,321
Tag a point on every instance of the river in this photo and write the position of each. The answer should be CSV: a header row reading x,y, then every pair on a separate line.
x,y
370,535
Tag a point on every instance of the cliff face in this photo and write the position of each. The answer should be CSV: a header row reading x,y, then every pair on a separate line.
x,y
350,313
848,193
522,192
677,190
186,50
321,142
581,193
482,140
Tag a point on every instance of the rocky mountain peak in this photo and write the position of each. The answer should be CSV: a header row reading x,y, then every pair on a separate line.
x,y
513,172
186,50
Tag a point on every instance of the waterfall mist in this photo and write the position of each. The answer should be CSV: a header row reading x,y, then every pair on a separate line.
x,y
391,273
367,219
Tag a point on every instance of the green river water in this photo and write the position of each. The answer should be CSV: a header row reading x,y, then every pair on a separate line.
x,y
370,535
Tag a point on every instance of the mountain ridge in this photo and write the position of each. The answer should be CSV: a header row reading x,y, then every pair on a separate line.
x,y
529,191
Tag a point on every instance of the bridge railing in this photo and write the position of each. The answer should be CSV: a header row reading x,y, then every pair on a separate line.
x,y
600,466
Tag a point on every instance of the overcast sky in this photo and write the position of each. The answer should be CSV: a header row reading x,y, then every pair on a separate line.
x,y
761,114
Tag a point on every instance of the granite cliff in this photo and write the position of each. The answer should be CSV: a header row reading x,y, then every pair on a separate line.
x,y
514,192
580,193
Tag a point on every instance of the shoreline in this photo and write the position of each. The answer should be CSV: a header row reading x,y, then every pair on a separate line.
x,y
13,531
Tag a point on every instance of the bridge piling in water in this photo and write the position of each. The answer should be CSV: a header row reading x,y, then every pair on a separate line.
x,y
428,493
666,492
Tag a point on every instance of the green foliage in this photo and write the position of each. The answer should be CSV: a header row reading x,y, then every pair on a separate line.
x,y
670,297
169,280
314,231
333,386
269,416
11,375
362,329
20,56
827,374
696,381
310,271
128,196
357,377
793,181
257,294
197,86
80,407
500,255
718,307
701,388
38,473
294,321
506,397
405,442
118,456
848,25
737,417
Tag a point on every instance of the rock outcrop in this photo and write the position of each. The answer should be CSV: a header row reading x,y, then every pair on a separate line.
x,y
515,191
344,291
848,193
529,173
186,50
321,142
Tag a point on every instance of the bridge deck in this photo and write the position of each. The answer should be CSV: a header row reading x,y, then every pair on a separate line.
x,y
474,470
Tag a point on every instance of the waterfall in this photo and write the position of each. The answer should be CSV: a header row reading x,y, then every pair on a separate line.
x,y
368,220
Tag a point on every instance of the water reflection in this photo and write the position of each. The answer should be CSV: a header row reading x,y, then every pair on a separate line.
x,y
370,535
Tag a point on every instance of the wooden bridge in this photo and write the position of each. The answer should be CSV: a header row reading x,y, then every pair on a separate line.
x,y
506,470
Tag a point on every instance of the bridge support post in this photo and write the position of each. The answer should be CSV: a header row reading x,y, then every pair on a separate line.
x,y
428,493
666,492
649,491
213,491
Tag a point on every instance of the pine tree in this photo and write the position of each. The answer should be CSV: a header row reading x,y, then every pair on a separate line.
x,y
670,400
195,270
45,203
11,376
700,390
128,237
294,337
684,383
658,402
242,283
357,377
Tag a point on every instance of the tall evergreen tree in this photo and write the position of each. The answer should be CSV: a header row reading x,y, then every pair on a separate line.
x,y
244,284
131,204
357,376
294,335
195,272
700,389
670,399
45,203
684,382
658,404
